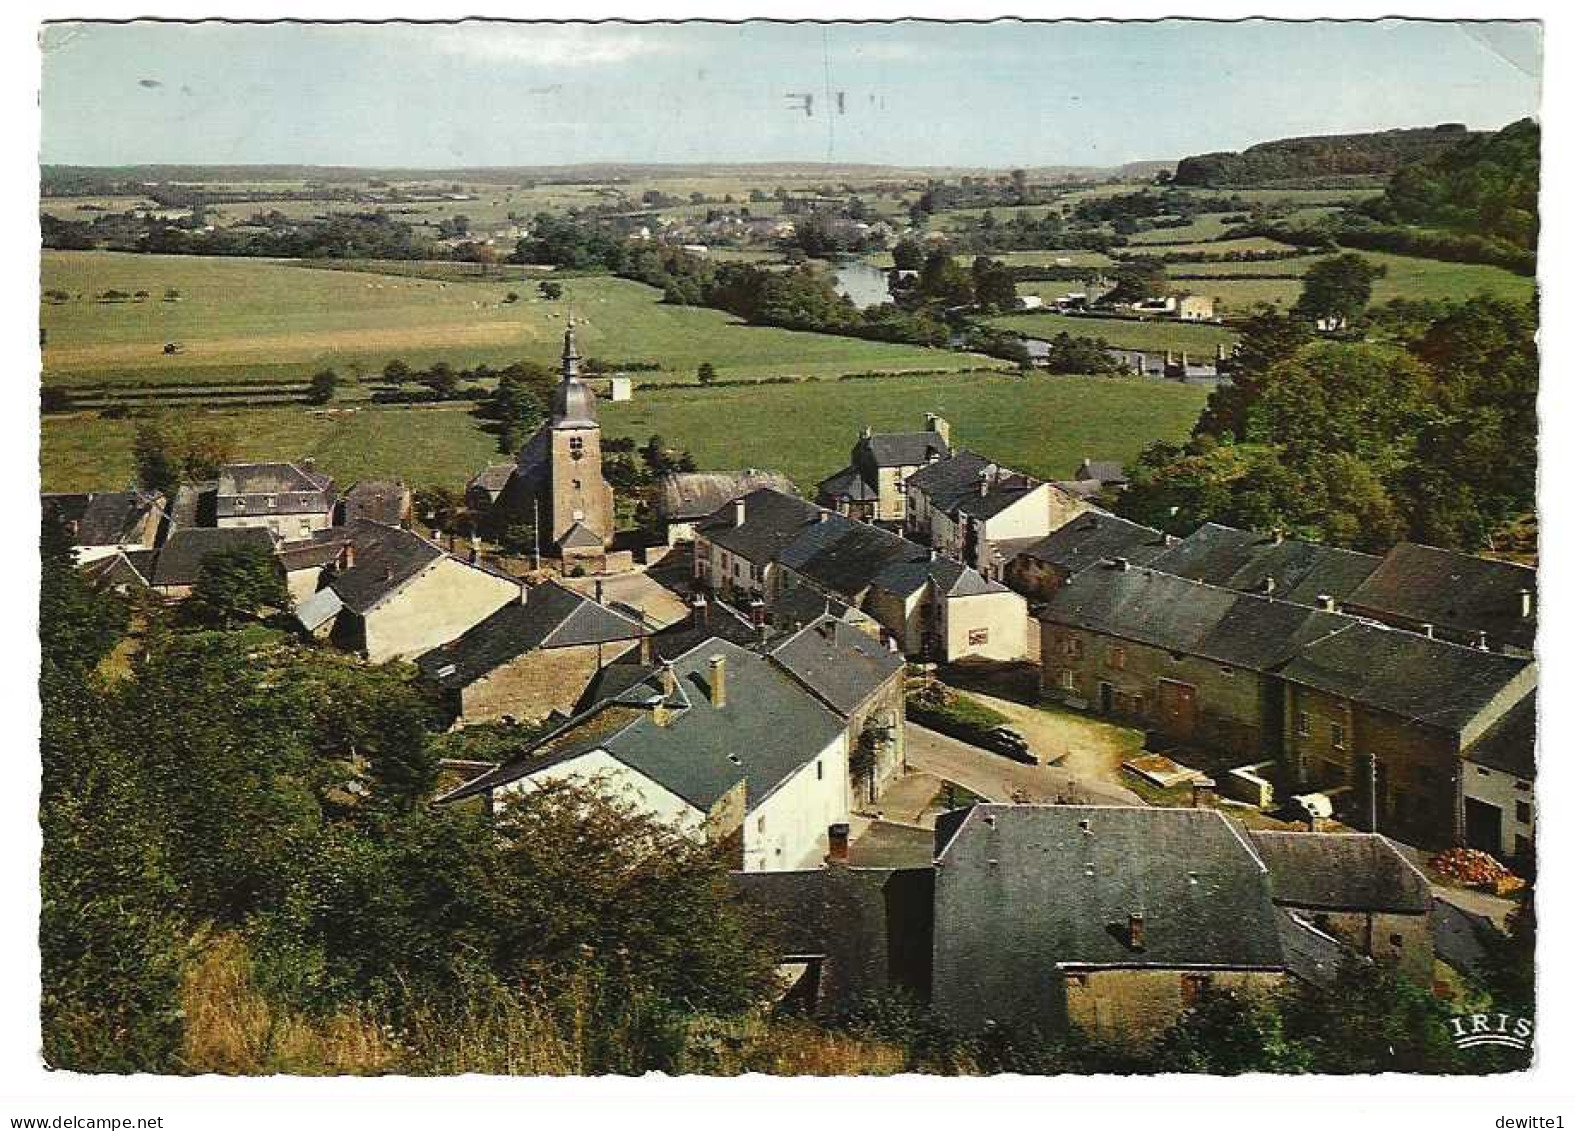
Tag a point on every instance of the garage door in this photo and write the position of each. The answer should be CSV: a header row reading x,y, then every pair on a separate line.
x,y
1178,708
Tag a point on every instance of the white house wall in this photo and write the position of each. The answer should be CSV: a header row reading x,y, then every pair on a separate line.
x,y
601,770
1502,791
1002,617
433,609
787,830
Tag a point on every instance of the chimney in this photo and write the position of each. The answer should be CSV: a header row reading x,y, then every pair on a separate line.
x,y
1219,353
669,678
823,516
1268,586
866,432
757,612
1137,937
837,843
1170,359
1183,361
1482,641
1527,605
718,667
1325,602
1122,564
701,610
1426,629
347,555
524,592
984,482
738,512
938,425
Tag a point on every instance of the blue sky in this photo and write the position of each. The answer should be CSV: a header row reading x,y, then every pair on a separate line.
x,y
999,95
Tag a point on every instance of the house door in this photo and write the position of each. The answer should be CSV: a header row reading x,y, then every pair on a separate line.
x,y
1107,698
1484,826
1178,708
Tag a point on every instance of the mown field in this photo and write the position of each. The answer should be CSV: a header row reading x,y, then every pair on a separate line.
x,y
240,319
1040,424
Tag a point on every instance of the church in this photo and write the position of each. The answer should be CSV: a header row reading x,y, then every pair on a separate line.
x,y
557,481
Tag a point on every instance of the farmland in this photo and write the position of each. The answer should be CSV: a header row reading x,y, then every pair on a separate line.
x,y
1041,424
1157,335
240,319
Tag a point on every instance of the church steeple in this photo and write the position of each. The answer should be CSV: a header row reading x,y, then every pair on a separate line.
x,y
573,403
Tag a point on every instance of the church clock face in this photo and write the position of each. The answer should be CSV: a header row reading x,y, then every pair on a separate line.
x,y
576,447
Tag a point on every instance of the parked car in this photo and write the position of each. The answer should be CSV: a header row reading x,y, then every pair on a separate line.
x,y
1005,740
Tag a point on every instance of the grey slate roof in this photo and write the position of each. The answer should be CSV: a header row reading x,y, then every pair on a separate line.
x,y
580,537
106,518
1101,471
1021,890
180,558
1242,560
1095,536
123,567
381,500
844,556
850,484
769,729
952,485
953,579
1454,591
685,496
1510,744
899,449
772,519
1406,674
1341,872
1163,611
842,665
386,557
493,478
552,616
318,609
245,488
195,504
313,552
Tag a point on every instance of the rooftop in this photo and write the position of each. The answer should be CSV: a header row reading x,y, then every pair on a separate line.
x,y
1454,591
180,559
1093,537
1248,562
772,519
841,664
689,495
1341,872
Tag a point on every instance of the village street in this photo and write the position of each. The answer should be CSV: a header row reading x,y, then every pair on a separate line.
x,y
997,778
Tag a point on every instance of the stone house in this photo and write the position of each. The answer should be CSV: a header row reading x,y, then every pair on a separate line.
x,y
736,548
1110,920
395,595
1194,308
1386,717
1498,786
1038,570
720,743
290,500
103,523
873,487
1358,888
380,500
864,682
1286,569
1459,597
685,498
974,510
531,659
1192,663
307,562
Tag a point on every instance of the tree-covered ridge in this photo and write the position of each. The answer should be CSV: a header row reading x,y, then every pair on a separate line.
x,y
1486,186
1305,158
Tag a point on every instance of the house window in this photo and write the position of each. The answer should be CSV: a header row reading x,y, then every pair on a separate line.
x,y
1117,658
978,636
1068,680
1523,812
1337,736
760,824
1073,647
1303,724
272,502
820,772
1396,940
1227,672
306,527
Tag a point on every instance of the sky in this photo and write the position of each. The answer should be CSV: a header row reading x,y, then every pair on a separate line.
x,y
994,95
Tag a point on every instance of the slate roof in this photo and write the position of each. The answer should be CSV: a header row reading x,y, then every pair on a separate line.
x,y
899,449
1310,954
386,557
1055,885
123,567
196,504
772,519
318,609
180,558
1454,591
769,728
381,500
953,579
685,496
841,664
108,518
1095,536
493,478
1510,744
244,487
551,616
844,556
952,485
64,506
580,537
1242,560
1416,677
1178,615
310,553
850,484
716,619
1341,872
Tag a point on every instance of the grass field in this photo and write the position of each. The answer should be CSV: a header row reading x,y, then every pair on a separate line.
x,y
242,319
1207,226
1408,277
1041,424
1129,334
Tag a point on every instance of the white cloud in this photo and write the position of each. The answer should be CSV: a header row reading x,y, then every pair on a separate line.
x,y
547,45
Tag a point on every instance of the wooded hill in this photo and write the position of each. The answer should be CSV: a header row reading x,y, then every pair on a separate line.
x,y
1315,158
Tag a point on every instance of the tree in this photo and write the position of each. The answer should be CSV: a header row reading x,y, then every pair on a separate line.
x,y
1337,290
994,289
1137,280
396,372
240,583
908,254
550,290
158,467
324,384
706,374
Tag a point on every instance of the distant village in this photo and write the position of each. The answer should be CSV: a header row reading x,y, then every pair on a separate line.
x,y
1327,718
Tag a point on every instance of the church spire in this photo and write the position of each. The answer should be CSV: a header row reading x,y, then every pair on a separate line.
x,y
573,403
571,356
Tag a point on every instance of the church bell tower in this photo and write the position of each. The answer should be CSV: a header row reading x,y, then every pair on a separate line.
x,y
580,504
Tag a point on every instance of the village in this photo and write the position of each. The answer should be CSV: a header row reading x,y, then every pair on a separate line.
x,y
957,725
